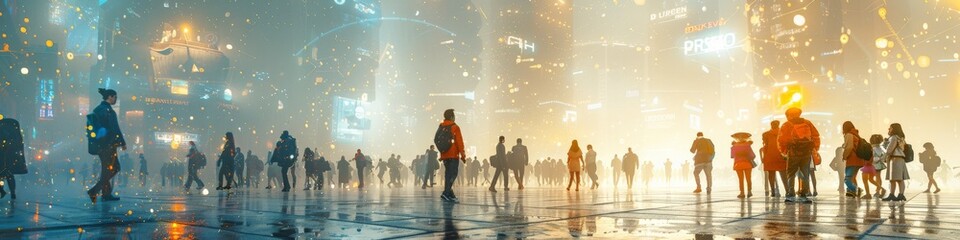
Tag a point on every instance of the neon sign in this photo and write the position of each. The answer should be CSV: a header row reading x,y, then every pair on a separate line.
x,y
709,44
46,97
178,138
704,26
521,44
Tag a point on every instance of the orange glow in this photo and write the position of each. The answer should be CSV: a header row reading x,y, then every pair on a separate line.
x,y
178,207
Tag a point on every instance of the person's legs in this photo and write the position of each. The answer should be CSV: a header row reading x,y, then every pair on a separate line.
x,y
286,181
813,180
493,182
850,180
506,178
708,172
577,175
12,184
749,178
772,181
804,164
866,177
570,182
449,176
740,176
793,166
696,176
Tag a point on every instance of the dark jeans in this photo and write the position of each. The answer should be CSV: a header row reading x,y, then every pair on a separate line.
x,y
109,167
286,181
518,174
226,171
429,177
192,177
506,178
360,174
238,174
850,178
11,183
798,167
452,169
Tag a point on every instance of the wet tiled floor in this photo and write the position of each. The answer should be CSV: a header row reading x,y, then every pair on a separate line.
x,y
538,213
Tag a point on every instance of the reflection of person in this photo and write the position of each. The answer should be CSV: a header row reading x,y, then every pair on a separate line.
x,y
12,160
109,142
704,151
574,161
931,162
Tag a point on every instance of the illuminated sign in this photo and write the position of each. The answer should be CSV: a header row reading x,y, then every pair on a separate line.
x,y
175,138
521,44
45,99
709,44
670,14
153,100
704,26
179,87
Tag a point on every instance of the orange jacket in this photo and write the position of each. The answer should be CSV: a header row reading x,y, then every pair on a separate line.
x,y
786,135
456,151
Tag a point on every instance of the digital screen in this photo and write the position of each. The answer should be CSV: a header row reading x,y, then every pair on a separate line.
x,y
45,99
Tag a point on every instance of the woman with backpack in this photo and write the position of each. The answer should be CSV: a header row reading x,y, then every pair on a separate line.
x,y
896,162
851,141
743,157
930,162
878,166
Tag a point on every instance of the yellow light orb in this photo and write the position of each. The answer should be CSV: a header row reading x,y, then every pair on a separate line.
x,y
923,61
844,38
881,43
49,43
882,12
26,20
69,56
23,29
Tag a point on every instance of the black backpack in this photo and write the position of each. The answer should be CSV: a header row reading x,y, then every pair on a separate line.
x,y
201,160
93,134
443,139
864,150
908,153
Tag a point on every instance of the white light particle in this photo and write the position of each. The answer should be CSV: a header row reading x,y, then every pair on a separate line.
x,y
24,71
799,20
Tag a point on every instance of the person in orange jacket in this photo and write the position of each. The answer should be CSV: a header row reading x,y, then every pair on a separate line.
x,y
449,141
798,140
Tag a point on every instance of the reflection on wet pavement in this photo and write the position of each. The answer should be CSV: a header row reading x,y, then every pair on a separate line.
x,y
531,213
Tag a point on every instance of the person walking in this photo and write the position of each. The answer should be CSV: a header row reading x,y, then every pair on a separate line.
x,y
254,169
499,162
773,161
109,139
931,162
343,169
704,151
869,173
432,165
667,170
742,154
839,166
519,161
285,153
879,164
853,163
12,159
382,168
630,165
798,140
896,162
227,158
195,161
238,167
143,171
574,161
360,162
591,166
615,164
449,141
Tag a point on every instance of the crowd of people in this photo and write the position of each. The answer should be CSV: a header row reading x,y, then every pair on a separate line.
x,y
789,150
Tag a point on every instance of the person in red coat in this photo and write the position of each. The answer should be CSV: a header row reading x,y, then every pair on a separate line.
x,y
773,161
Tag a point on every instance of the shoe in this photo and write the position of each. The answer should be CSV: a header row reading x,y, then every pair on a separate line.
x,y
888,198
13,196
708,191
506,189
423,187
927,191
815,194
227,188
866,196
219,188
495,190
110,199
578,189
851,194
694,191
93,196
901,198
859,192
446,198
199,188
937,191
568,189
285,190
749,195
306,189
740,196
805,200
269,187
789,200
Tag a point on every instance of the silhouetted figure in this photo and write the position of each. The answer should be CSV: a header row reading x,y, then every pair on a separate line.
x,y
432,164
931,162
395,166
773,161
322,166
12,159
360,162
449,141
382,168
285,153
574,161
630,165
254,170
343,168
109,139
591,166
685,170
195,161
225,162
616,165
519,161
667,170
123,177
499,163
309,168
239,164
798,140
143,171
647,173
704,151
473,172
